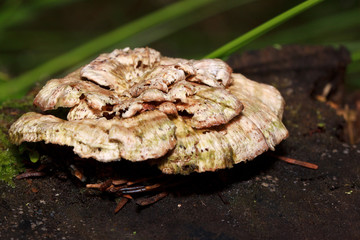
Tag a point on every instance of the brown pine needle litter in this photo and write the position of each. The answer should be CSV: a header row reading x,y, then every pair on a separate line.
x,y
295,161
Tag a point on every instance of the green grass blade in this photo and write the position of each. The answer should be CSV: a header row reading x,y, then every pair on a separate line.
x,y
241,41
57,40
330,26
160,31
18,86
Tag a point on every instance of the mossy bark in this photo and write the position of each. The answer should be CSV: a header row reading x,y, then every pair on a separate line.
x,y
10,157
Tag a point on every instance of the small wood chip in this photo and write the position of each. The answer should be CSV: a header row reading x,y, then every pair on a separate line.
x,y
105,185
140,180
77,173
119,182
145,201
94,185
114,189
121,204
151,187
127,196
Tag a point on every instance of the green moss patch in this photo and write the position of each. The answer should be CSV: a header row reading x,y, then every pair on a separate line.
x,y
10,159
10,162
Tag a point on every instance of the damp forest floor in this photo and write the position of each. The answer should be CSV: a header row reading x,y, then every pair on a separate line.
x,y
263,199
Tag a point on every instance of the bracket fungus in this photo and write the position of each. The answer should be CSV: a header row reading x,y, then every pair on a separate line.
x,y
182,115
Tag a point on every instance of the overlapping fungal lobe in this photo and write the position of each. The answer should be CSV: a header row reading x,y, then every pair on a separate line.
x,y
119,69
255,130
68,92
126,82
185,115
148,135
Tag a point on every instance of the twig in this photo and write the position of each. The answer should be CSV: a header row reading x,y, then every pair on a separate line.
x,y
29,174
105,185
151,200
129,183
138,189
94,185
223,199
142,180
296,162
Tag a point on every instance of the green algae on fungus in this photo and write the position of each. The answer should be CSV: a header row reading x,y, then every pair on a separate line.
x,y
182,115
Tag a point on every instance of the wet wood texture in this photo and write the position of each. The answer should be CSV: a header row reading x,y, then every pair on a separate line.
x,y
267,198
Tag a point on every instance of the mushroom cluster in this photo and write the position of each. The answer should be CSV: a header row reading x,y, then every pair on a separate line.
x,y
181,115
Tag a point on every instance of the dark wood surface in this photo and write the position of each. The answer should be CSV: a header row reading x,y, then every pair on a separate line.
x,y
262,199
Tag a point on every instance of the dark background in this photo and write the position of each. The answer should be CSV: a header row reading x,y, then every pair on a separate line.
x,y
33,32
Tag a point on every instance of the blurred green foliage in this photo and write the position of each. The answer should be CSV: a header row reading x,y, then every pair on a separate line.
x,y
255,33
37,34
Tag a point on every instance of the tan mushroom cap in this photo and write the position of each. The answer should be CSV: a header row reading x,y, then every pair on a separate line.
x,y
125,82
185,115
